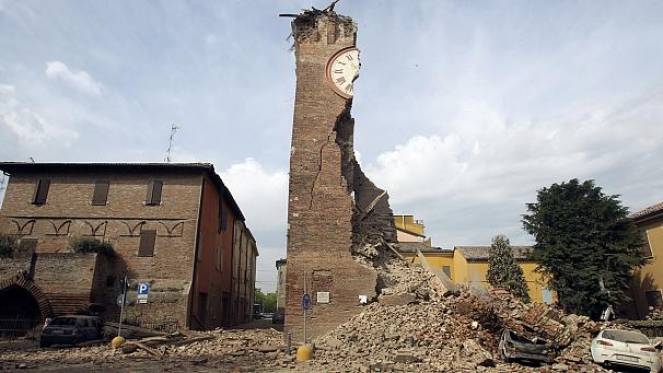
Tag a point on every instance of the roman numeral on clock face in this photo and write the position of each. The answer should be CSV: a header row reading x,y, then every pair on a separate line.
x,y
341,71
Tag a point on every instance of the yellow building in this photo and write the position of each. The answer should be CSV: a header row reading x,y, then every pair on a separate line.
x,y
471,267
410,230
648,281
464,265
436,257
468,266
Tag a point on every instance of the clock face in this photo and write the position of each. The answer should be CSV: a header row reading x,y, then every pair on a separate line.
x,y
342,70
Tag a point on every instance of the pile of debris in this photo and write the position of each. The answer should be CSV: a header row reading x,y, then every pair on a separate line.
x,y
219,348
416,325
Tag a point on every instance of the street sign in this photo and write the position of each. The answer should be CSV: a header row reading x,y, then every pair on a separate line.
x,y
306,302
143,291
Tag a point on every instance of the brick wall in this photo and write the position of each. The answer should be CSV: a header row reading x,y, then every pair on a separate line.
x,y
66,279
322,178
68,213
213,268
244,254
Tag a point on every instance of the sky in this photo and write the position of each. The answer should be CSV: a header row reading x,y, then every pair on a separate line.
x,y
463,109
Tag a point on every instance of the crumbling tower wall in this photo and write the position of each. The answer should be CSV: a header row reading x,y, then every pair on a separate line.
x,y
338,220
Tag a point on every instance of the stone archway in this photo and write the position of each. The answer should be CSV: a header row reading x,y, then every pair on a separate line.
x,y
20,285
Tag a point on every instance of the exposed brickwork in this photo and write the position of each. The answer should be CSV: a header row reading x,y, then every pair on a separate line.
x,y
184,223
324,221
24,281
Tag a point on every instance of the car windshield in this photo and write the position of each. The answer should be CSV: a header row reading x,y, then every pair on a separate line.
x,y
626,336
63,321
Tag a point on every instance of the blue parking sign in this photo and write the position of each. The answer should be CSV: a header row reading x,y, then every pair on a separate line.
x,y
306,302
143,288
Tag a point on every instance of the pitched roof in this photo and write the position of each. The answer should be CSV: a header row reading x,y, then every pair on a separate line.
x,y
208,168
647,211
411,247
481,252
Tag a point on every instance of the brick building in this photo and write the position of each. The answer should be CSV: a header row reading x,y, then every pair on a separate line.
x,y
174,226
335,213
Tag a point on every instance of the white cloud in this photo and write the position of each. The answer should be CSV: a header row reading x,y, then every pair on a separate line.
x,y
81,80
487,166
262,195
28,125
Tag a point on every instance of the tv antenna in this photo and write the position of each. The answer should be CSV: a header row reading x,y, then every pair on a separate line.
x,y
171,141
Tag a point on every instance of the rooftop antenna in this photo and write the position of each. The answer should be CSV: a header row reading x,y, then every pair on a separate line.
x,y
32,160
171,140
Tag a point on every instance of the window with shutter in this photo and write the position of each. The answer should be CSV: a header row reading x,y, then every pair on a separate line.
x,y
222,215
654,299
41,191
100,195
154,192
147,240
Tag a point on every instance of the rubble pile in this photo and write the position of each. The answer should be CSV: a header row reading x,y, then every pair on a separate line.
x,y
244,347
414,324
418,326
397,279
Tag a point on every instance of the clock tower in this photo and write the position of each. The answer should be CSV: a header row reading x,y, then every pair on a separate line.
x,y
338,221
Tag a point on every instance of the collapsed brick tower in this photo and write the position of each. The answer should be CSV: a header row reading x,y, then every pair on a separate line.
x,y
339,223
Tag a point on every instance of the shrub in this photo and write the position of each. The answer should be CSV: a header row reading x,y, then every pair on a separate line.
x,y
7,245
90,245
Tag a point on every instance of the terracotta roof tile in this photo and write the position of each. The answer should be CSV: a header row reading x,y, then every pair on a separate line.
x,y
481,252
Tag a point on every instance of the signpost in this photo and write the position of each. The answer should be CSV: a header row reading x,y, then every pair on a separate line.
x,y
125,285
306,302
143,292
306,305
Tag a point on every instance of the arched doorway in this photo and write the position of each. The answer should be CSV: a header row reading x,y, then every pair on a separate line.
x,y
19,311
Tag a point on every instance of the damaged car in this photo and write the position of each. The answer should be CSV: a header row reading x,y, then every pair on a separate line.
x,y
515,347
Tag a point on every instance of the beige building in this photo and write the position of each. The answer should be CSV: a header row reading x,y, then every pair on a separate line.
x,y
647,288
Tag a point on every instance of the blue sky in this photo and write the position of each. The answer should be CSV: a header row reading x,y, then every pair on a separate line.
x,y
463,108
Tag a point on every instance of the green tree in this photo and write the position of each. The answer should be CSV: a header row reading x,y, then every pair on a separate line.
x,y
7,245
268,300
503,271
585,244
90,245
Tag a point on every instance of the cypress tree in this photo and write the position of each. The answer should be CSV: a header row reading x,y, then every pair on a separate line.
x,y
503,271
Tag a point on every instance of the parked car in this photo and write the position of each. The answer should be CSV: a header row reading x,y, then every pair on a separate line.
x,y
72,329
278,317
628,348
515,347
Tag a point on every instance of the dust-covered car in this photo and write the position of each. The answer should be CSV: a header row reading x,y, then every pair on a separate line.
x,y
628,348
72,329
515,347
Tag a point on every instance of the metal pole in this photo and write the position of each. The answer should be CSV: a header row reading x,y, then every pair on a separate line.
x,y
304,308
124,300
289,343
